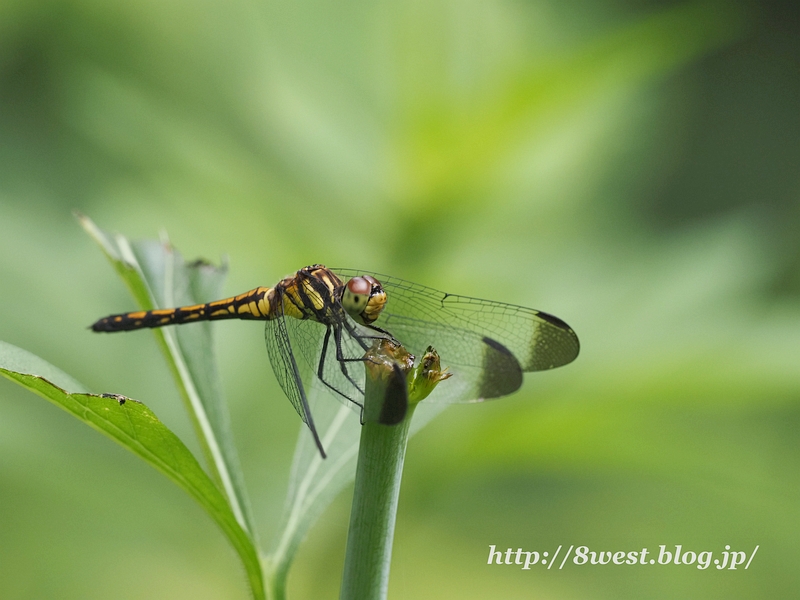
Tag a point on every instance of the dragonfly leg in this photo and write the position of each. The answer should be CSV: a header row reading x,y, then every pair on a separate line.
x,y
337,338
321,369
379,330
360,337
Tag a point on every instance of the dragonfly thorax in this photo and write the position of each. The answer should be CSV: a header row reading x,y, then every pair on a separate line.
x,y
364,298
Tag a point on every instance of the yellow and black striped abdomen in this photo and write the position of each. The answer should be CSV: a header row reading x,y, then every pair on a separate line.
x,y
255,304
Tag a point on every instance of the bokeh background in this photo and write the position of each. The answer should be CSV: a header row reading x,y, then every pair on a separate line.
x,y
631,167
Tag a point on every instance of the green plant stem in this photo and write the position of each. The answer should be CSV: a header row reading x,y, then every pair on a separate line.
x,y
372,519
394,387
274,582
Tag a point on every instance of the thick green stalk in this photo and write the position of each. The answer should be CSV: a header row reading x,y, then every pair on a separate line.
x,y
392,384
372,518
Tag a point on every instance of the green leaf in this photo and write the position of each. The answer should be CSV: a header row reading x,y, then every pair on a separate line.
x,y
134,426
158,277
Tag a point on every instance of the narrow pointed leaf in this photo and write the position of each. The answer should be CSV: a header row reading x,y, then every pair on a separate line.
x,y
135,427
158,277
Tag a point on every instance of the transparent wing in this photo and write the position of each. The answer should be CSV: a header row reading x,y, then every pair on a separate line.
x,y
485,344
537,339
344,379
289,372
481,367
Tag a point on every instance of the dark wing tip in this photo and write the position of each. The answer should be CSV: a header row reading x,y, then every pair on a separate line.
x,y
318,442
502,373
553,320
495,345
557,346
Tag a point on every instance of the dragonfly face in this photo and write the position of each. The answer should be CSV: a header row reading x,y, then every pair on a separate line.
x,y
336,315
364,298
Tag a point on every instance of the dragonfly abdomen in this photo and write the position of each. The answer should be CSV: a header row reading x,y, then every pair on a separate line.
x,y
255,304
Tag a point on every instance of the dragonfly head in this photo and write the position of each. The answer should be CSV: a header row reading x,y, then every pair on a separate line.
x,y
364,299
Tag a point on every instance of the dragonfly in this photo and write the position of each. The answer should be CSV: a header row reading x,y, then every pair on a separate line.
x,y
321,322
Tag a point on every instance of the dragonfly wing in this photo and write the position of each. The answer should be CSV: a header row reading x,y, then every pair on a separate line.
x,y
537,339
308,339
290,372
481,367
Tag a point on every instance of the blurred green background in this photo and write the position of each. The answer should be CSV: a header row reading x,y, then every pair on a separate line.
x,y
631,167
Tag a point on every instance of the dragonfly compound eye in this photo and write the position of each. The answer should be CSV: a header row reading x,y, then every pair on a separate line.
x,y
364,299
